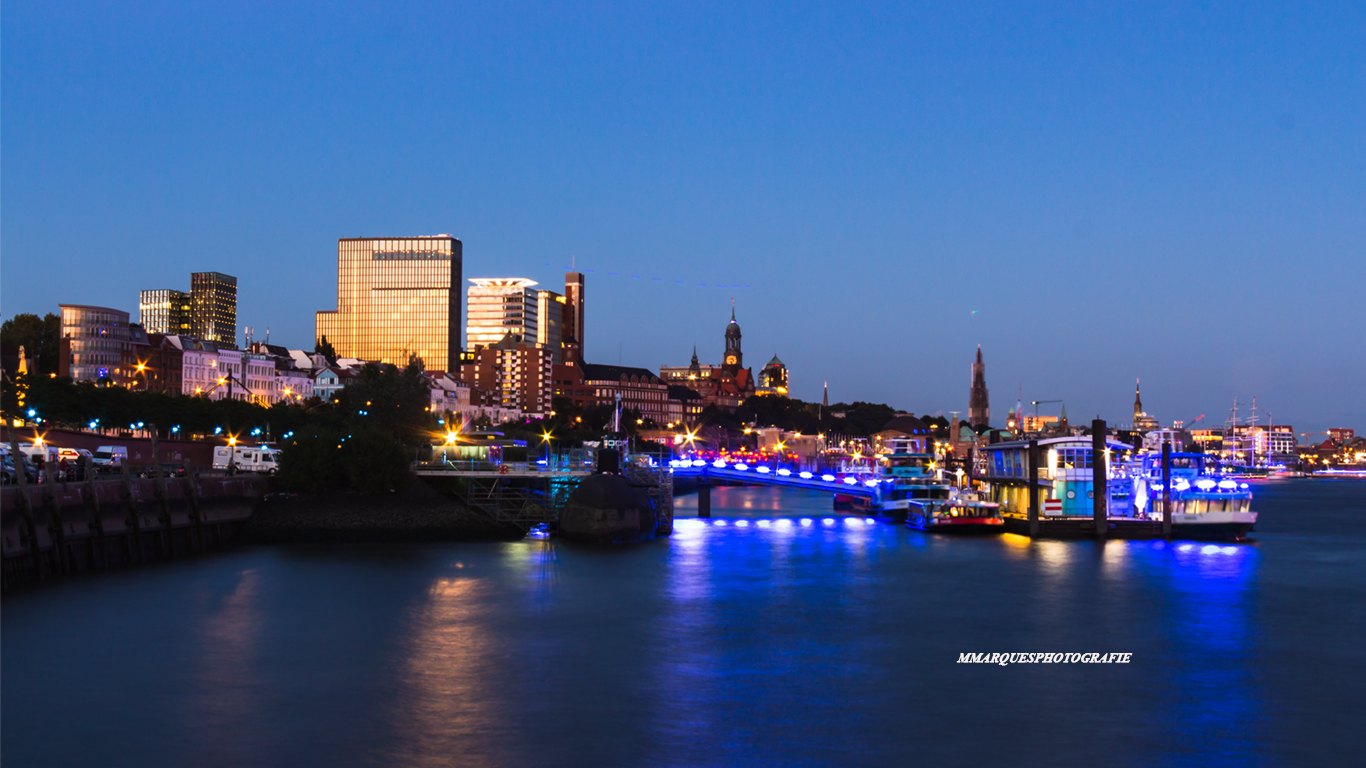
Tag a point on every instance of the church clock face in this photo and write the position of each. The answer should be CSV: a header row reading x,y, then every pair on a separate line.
x,y
730,359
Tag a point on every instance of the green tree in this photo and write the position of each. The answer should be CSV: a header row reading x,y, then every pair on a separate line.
x,y
325,348
395,401
39,336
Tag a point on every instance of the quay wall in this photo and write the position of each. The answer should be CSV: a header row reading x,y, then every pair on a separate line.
x,y
79,526
191,452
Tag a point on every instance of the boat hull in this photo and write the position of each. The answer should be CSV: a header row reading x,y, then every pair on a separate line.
x,y
964,525
1213,525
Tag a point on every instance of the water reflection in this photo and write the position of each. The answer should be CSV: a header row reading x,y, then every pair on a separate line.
x,y
790,641
229,682
1216,694
445,705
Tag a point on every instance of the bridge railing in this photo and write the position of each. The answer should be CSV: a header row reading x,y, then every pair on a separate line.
x,y
506,467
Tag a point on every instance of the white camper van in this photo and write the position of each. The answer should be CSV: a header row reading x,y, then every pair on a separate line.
x,y
257,458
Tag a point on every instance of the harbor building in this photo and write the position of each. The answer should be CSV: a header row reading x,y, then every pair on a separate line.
x,y
587,385
166,311
772,379
724,386
93,342
517,375
397,298
213,307
979,407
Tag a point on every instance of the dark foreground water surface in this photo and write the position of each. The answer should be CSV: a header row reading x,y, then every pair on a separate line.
x,y
772,643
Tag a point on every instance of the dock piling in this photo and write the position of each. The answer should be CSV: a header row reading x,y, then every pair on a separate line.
x,y
1167,488
704,499
1100,479
1033,488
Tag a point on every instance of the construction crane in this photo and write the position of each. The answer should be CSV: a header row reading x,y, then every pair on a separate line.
x,y
1036,403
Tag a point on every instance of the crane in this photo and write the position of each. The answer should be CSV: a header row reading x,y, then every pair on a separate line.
x,y
1036,403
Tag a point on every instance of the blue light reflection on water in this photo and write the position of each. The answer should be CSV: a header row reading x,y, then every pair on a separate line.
x,y
769,644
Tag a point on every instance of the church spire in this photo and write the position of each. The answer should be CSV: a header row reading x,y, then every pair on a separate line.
x,y
825,398
979,408
1138,402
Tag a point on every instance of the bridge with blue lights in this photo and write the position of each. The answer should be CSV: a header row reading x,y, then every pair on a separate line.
x,y
739,472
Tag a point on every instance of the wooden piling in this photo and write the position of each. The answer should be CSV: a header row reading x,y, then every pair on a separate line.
x,y
134,522
1033,487
196,517
29,527
1100,479
56,527
96,523
159,481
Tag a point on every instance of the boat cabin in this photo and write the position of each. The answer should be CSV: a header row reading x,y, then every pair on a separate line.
x,y
1065,476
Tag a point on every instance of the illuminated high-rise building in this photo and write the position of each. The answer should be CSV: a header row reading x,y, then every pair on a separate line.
x,y
503,308
550,323
213,300
571,332
167,311
397,297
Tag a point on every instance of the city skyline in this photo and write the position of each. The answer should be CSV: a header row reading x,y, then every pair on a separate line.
x,y
1199,231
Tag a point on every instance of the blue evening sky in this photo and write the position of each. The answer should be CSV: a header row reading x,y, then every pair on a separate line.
x,y
1094,192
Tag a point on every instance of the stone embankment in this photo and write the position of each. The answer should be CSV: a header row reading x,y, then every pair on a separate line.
x,y
60,528
415,513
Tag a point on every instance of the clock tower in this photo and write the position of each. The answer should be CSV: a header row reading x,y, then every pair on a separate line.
x,y
734,359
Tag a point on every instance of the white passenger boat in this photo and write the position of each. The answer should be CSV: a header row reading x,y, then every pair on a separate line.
x,y
1205,504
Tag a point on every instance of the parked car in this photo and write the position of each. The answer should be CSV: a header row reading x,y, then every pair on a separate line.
x,y
7,471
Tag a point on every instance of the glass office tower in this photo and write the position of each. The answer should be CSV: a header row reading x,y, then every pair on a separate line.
x,y
397,297
502,307
166,311
213,298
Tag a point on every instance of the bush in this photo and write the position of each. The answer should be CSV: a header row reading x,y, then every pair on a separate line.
x,y
374,462
369,461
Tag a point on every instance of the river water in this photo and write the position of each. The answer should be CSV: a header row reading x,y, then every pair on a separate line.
x,y
771,643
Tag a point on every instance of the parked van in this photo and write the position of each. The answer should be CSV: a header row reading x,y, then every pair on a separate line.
x,y
35,451
258,458
110,455
73,455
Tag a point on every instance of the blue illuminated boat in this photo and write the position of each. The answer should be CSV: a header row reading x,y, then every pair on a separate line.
x,y
1205,503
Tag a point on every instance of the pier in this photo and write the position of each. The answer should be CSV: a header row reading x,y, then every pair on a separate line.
x,y
533,494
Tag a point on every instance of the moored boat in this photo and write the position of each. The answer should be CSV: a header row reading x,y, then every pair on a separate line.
x,y
1205,504
958,514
